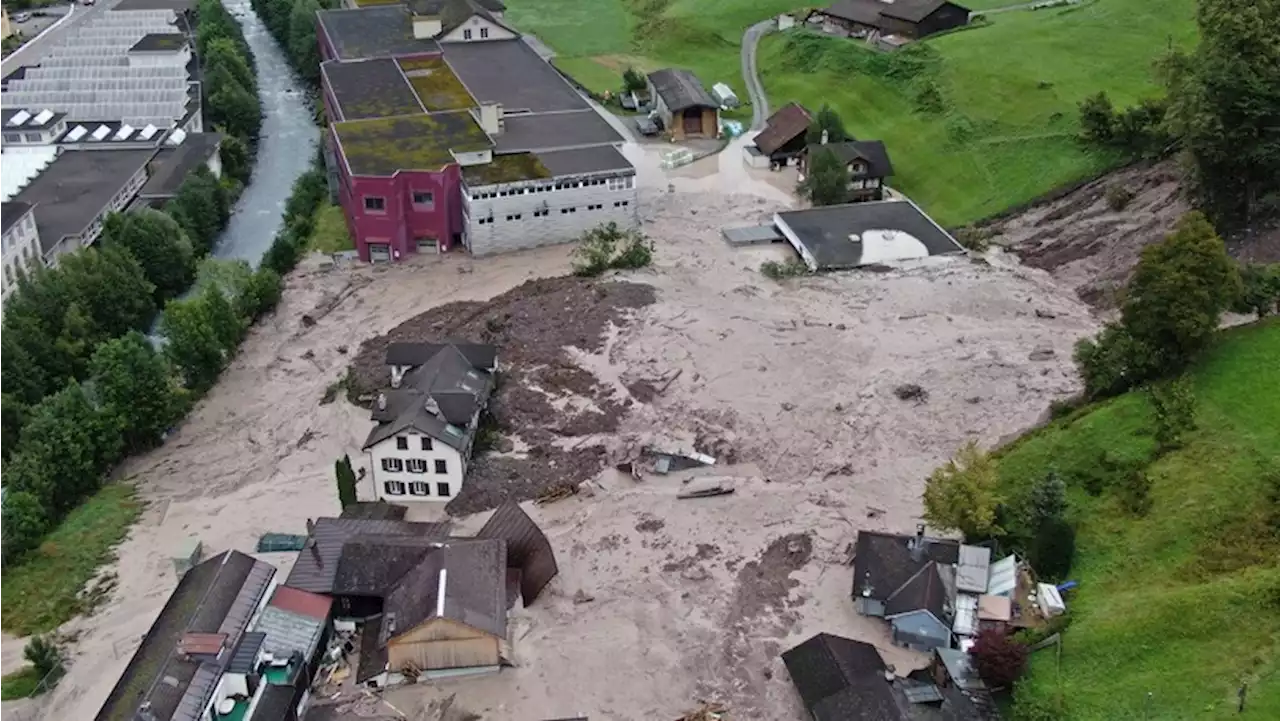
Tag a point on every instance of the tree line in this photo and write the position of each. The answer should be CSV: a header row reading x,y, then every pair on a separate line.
x,y
83,387
293,24
1220,113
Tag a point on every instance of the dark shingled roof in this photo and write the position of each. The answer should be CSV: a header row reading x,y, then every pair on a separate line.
x,y
76,187
872,152
926,590
544,132
375,511
317,564
826,232
172,164
407,353
527,548
472,574
782,127
216,596
680,89
373,655
884,560
869,12
370,89
511,73
434,7
438,398
382,31
840,679
12,212
912,11
246,652
371,565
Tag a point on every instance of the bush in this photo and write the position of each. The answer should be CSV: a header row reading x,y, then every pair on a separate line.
x,y
1053,549
43,654
975,239
928,98
788,269
1260,293
1174,403
608,246
633,80
963,494
1118,197
1135,493
998,658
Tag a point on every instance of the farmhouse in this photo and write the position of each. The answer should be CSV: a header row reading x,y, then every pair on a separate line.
x,y
839,237
867,162
686,108
782,141
425,424
873,19
448,131
429,603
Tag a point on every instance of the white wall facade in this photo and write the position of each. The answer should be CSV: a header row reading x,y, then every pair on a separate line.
x,y
21,252
412,473
529,214
476,29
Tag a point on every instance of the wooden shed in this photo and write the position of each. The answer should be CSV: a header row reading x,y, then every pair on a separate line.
x,y
686,108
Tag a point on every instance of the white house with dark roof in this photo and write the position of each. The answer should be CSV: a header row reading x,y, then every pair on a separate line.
x,y
425,424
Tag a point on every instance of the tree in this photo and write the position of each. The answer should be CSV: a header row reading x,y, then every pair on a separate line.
x,y
227,326
1097,119
1053,548
43,654
633,80
233,106
191,343
826,180
304,52
1178,292
1260,292
132,383
1174,403
201,208
24,523
1047,500
346,479
111,288
962,495
223,54
829,120
998,658
1225,106
234,155
261,295
159,245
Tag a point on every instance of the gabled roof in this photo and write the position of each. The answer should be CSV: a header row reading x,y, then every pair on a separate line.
x,y
912,10
453,13
869,12
840,679
527,548
928,590
405,353
884,561
782,127
872,152
371,565
463,581
316,566
438,398
680,89
434,7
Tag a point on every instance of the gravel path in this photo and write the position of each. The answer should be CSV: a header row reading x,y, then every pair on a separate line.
x,y
759,101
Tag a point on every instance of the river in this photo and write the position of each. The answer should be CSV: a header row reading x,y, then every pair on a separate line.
x,y
285,151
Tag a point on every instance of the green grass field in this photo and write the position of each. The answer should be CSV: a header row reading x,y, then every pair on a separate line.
x,y
19,684
1184,603
1006,132
330,234
43,591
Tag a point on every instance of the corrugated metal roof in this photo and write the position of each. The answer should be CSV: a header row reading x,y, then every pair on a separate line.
x,y
317,564
287,632
972,568
246,653
1002,578
966,623
304,603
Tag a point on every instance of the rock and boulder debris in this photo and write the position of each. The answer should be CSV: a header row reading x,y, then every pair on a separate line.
x,y
1041,353
911,392
582,596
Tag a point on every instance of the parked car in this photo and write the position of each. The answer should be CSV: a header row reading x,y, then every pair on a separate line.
x,y
87,3
21,17
646,125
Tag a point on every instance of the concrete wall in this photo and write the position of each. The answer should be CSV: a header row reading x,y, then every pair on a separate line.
x,y
455,465
535,214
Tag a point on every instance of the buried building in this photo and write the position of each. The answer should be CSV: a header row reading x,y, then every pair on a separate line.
x,y
429,604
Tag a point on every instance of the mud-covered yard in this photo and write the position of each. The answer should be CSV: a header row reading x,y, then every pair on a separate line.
x,y
794,382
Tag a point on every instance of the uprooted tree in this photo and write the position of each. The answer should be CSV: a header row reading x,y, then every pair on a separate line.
x,y
608,246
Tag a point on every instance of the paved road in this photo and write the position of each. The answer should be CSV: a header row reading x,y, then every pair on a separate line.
x,y
759,101
32,52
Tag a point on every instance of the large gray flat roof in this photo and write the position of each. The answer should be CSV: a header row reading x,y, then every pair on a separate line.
x,y
382,31
77,186
554,131
511,73
581,161
826,232
370,89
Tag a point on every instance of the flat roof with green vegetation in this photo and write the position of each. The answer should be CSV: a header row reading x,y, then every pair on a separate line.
x,y
436,85
371,89
410,142
1182,604
506,169
1005,131
43,591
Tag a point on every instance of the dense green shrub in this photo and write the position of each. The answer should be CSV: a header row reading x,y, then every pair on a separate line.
x,y
607,246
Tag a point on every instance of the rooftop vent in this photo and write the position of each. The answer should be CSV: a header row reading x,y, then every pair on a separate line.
x,y
148,131
22,117
44,117
101,133
177,136
76,133
124,132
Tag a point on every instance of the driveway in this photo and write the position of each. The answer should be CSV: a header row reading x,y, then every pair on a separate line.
x,y
750,76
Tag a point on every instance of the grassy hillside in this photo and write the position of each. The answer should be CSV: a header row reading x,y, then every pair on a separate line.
x,y
1006,133
1185,602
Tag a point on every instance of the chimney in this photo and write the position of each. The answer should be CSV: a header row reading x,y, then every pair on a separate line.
x,y
491,118
825,137
382,401
917,546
